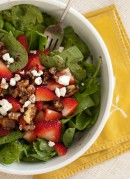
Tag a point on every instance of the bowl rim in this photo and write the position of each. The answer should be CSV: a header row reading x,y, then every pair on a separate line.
x,y
109,100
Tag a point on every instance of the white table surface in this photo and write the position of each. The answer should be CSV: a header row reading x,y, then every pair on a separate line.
x,y
118,167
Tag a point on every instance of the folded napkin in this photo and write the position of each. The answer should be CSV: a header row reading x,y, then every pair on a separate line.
x,y
115,138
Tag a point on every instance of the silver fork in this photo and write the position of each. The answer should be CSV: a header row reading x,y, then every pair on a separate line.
x,y
55,33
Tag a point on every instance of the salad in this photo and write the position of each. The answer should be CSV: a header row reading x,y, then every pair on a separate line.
x,y
46,97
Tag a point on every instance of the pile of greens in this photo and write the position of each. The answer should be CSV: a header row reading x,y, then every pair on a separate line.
x,y
29,20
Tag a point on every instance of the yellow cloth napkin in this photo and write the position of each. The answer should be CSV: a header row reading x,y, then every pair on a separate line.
x,y
115,138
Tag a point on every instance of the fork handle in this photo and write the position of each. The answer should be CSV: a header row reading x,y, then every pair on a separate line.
x,y
65,10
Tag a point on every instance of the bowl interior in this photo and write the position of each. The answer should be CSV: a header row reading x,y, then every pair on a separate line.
x,y
90,36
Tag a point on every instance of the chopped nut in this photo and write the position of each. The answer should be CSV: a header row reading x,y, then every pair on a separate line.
x,y
30,89
32,98
57,105
71,89
7,123
23,84
53,70
30,113
29,127
23,99
14,115
14,92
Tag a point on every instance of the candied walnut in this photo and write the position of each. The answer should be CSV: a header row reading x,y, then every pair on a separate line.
x,y
23,84
23,99
46,77
29,127
14,92
57,105
30,89
7,123
71,89
53,70
30,113
14,115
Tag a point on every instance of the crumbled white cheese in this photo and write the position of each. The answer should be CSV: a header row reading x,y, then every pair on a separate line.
x,y
6,57
51,144
33,51
32,98
57,92
4,84
82,84
38,81
22,72
64,80
35,73
60,49
17,77
62,91
5,107
12,82
26,104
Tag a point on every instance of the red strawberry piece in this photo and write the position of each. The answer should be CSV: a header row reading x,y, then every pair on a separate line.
x,y
52,85
15,103
23,40
69,105
67,73
40,105
30,136
52,115
22,122
3,132
33,61
50,130
60,149
44,94
4,71
40,117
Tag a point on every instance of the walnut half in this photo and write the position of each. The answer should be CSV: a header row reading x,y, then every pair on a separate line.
x,y
30,113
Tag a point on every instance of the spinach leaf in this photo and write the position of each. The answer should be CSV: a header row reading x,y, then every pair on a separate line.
x,y
48,20
36,40
82,121
9,27
16,50
72,39
1,21
12,152
25,16
84,103
7,16
68,136
14,135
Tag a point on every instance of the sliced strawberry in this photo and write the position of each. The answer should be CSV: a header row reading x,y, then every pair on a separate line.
x,y
33,61
21,122
40,105
69,105
60,149
52,85
4,71
30,136
68,73
44,94
52,115
23,40
50,130
15,103
40,117
3,132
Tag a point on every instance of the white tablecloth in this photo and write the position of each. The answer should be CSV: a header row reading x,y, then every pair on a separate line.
x,y
118,167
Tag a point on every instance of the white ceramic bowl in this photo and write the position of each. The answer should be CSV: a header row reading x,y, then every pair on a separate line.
x,y
89,35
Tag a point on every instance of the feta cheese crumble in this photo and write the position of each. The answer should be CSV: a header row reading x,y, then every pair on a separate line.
x,y
51,144
5,107
6,57
22,72
12,82
4,84
26,104
60,91
33,51
35,73
17,77
60,49
38,81
64,80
